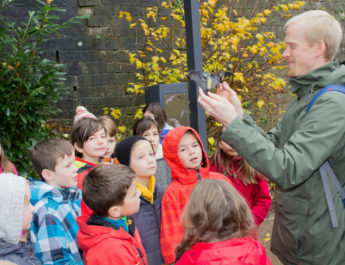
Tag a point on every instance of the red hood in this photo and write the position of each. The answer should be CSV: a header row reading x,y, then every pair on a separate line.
x,y
240,251
90,235
170,150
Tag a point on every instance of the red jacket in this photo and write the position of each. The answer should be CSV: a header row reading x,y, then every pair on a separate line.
x,y
239,251
84,167
257,195
106,245
177,193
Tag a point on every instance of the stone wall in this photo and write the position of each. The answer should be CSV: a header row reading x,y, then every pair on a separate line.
x,y
94,52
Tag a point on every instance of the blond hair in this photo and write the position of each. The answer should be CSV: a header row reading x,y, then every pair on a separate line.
x,y
109,125
215,211
318,26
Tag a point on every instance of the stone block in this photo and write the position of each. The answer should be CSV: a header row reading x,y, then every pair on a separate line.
x,y
100,21
106,44
89,2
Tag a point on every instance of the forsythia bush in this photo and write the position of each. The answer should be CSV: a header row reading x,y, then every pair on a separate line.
x,y
232,40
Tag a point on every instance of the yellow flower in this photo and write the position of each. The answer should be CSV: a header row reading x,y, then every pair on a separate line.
x,y
126,14
260,103
49,2
116,113
211,140
121,129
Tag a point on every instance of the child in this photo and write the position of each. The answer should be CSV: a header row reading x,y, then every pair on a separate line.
x,y
219,228
89,139
187,159
155,111
15,217
137,153
250,184
111,130
57,203
148,128
108,236
5,164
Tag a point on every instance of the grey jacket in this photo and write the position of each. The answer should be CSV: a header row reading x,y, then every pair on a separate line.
x,y
163,174
20,254
290,155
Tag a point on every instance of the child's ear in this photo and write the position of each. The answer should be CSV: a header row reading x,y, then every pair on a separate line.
x,y
47,175
115,212
76,147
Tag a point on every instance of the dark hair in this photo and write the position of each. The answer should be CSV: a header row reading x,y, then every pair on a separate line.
x,y
106,186
143,125
215,211
82,130
157,110
44,154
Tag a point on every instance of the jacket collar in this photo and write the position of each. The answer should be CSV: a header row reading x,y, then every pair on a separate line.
x,y
331,73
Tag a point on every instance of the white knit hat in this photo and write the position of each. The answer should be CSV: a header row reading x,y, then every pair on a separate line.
x,y
12,193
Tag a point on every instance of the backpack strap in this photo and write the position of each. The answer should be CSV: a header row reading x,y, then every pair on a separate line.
x,y
333,87
325,169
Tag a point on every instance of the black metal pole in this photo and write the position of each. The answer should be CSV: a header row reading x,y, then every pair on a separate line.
x,y
194,61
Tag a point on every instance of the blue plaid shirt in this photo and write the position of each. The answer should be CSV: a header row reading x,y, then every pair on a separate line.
x,y
54,228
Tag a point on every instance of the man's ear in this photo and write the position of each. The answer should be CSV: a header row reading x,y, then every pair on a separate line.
x,y
76,147
320,47
115,212
47,175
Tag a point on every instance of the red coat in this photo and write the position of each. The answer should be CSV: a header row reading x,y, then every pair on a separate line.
x,y
257,195
84,167
104,245
239,251
177,193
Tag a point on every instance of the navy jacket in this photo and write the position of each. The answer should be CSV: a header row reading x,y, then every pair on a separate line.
x,y
148,223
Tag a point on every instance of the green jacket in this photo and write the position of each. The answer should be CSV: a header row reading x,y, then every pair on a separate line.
x,y
290,155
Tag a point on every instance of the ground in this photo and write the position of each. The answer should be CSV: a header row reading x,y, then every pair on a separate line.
x,y
265,233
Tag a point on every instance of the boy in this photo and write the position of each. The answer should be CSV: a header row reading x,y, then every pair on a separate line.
x,y
108,236
187,159
137,153
57,203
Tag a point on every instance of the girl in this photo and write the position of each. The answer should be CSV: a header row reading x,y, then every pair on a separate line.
x,y
188,162
250,184
15,217
137,153
155,111
6,165
148,128
219,228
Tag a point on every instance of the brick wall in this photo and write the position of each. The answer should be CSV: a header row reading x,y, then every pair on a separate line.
x,y
94,52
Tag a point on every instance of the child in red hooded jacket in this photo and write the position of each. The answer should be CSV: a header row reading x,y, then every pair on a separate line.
x,y
219,228
187,159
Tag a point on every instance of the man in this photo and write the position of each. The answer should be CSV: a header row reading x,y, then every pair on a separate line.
x,y
292,152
